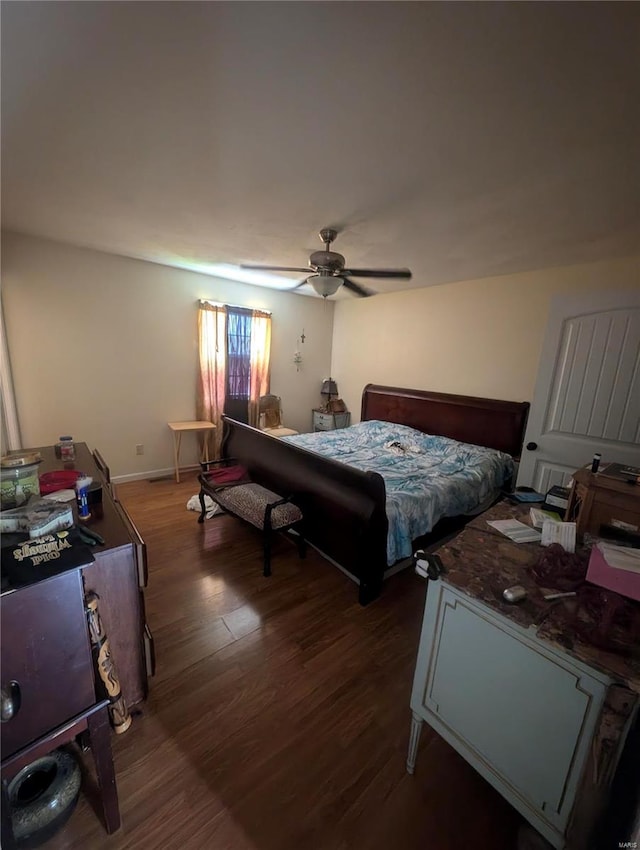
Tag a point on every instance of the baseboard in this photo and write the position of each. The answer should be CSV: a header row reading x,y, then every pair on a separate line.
x,y
150,473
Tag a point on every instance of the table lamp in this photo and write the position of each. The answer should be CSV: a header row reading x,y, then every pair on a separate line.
x,y
329,388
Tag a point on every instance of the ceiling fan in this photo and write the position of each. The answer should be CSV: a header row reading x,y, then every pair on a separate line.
x,y
329,273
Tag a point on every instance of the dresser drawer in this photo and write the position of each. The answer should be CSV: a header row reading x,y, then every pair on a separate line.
x,y
47,654
341,420
322,421
329,421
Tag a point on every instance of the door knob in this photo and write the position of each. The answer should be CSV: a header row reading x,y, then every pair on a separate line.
x,y
10,700
531,447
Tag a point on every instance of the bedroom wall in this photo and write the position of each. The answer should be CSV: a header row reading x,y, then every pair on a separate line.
x,y
105,348
475,337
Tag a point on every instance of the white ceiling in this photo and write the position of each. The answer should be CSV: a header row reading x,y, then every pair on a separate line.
x,y
459,139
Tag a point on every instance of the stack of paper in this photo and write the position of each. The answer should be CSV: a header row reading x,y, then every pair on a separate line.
x,y
621,557
615,567
516,530
563,533
538,516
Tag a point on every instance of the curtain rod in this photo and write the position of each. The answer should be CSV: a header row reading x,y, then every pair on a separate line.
x,y
235,306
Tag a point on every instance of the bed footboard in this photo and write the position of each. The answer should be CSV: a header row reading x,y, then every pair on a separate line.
x,y
343,508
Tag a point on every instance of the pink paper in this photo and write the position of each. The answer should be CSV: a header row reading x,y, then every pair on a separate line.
x,y
621,581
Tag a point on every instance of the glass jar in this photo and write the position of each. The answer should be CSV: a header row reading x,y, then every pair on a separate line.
x,y
19,479
65,449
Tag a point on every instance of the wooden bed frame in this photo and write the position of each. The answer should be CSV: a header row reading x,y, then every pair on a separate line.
x,y
343,507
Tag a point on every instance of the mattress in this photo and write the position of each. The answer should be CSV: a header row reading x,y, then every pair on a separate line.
x,y
426,477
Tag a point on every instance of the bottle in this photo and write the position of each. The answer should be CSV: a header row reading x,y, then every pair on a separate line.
x,y
82,486
65,449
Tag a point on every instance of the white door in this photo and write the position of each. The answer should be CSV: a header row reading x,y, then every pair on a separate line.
x,y
587,395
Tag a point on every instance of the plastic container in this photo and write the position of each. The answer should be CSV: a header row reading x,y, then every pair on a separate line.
x,y
65,449
59,479
82,489
19,479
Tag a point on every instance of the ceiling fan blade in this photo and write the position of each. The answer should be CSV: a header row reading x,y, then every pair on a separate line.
x,y
405,274
258,267
354,287
298,285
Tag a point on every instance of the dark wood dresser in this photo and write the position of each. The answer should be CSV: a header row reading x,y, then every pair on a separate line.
x,y
118,575
48,690
46,655
48,678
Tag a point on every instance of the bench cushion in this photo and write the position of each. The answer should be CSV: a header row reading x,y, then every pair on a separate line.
x,y
249,502
280,432
225,475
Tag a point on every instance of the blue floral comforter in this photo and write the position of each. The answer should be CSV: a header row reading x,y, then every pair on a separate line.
x,y
426,477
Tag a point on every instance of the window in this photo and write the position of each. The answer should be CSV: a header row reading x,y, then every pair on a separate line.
x,y
235,350
238,383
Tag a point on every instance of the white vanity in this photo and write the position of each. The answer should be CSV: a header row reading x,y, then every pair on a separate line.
x,y
541,715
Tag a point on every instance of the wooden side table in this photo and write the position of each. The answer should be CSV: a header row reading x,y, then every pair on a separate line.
x,y
178,428
596,500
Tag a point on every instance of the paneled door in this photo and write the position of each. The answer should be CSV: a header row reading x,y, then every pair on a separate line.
x,y
587,396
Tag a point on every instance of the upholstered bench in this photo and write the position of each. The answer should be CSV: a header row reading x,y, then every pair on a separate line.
x,y
258,506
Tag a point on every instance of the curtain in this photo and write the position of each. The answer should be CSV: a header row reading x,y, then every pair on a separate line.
x,y
212,341
260,362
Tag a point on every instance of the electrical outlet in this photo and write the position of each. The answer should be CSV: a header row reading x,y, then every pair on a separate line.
x,y
139,449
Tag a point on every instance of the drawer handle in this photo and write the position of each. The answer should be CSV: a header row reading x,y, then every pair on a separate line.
x,y
10,701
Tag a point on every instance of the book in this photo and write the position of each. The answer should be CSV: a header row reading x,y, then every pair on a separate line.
x,y
538,516
526,496
515,530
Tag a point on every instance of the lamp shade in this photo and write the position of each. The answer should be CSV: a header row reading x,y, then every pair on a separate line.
x,y
329,387
325,284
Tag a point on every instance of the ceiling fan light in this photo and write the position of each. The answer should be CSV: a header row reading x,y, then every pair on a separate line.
x,y
326,285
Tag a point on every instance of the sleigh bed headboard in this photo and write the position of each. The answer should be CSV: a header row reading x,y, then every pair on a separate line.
x,y
480,421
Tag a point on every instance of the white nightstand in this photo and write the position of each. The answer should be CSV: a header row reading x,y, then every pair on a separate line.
x,y
323,421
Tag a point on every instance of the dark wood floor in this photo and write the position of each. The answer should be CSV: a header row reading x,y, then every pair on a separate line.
x,y
279,715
